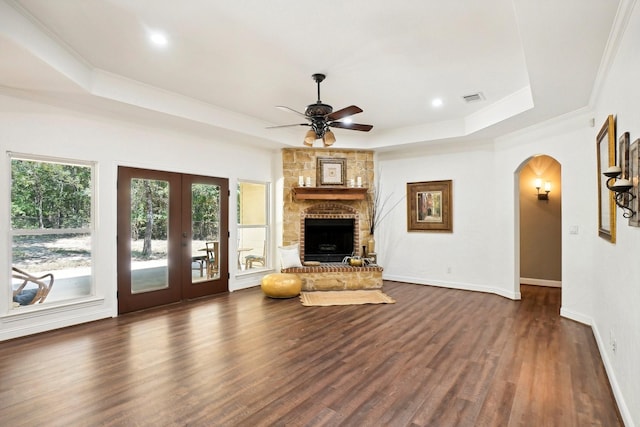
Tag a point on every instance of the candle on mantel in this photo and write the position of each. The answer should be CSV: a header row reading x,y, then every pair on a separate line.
x,y
352,182
359,181
301,181
308,181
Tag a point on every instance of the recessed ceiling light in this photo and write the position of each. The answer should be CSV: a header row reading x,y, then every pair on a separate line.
x,y
158,39
437,102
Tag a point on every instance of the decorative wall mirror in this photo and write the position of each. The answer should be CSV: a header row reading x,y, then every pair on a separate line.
x,y
606,152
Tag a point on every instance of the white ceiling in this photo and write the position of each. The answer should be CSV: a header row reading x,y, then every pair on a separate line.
x,y
229,63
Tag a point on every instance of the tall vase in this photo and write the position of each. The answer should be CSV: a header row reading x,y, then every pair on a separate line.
x,y
371,245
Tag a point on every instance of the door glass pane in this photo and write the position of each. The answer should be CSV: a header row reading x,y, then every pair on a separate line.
x,y
149,233
205,231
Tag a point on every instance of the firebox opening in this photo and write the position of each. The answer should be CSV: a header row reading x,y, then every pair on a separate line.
x,y
328,240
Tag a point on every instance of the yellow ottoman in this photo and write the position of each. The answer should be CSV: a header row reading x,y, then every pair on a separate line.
x,y
281,285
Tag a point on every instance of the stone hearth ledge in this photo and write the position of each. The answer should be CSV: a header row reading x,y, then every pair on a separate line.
x,y
338,277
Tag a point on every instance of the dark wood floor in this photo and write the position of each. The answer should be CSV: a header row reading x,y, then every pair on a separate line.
x,y
438,357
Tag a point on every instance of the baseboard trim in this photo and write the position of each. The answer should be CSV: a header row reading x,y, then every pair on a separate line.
x,y
455,285
576,317
540,282
627,420
46,325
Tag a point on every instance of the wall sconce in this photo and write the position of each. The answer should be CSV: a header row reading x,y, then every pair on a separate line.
x,y
622,189
547,189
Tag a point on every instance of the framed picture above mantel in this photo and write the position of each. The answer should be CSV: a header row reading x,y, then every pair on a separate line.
x,y
331,171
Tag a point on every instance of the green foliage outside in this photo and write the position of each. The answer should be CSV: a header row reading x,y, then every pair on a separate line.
x,y
205,214
50,195
150,213
58,196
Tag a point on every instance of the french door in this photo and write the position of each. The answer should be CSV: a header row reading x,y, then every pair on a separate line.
x,y
172,237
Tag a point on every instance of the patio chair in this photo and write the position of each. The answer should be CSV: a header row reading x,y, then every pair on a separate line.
x,y
212,258
198,262
249,260
26,293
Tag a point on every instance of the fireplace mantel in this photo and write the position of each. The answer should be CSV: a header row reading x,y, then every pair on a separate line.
x,y
329,193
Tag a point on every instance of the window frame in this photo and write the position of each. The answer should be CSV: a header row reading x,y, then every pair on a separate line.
x,y
267,226
89,230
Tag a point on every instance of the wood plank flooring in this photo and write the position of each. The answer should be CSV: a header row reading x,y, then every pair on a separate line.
x,y
438,357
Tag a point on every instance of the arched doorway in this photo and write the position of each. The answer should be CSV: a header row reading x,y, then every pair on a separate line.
x,y
540,222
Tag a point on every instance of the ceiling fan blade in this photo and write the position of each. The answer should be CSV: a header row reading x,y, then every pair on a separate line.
x,y
291,110
288,126
352,126
345,112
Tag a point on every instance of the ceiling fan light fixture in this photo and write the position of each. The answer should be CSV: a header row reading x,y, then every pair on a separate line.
x,y
310,138
328,139
321,116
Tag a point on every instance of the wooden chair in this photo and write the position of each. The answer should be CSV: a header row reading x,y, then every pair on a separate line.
x,y
198,262
212,258
250,259
27,296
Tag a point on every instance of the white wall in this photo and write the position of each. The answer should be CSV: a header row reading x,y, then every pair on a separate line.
x,y
462,259
600,280
36,128
616,285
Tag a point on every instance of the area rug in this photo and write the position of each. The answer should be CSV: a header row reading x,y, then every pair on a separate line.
x,y
326,298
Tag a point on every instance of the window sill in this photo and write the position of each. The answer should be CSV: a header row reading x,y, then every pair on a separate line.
x,y
32,312
254,272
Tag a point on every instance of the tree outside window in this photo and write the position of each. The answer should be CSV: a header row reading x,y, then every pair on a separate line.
x,y
51,227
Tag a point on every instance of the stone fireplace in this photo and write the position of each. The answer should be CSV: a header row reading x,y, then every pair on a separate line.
x,y
331,224
301,162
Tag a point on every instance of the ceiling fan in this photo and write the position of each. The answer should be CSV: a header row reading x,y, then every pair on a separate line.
x,y
321,118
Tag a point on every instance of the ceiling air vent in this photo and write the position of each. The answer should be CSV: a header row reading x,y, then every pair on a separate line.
x,y
474,97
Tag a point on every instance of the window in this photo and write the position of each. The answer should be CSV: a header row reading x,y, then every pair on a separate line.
x,y
51,229
253,226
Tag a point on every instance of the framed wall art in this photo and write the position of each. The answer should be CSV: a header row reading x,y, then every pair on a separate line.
x,y
331,171
606,156
429,206
634,177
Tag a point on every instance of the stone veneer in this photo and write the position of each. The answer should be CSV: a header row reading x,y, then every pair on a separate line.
x,y
302,162
298,162
338,277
